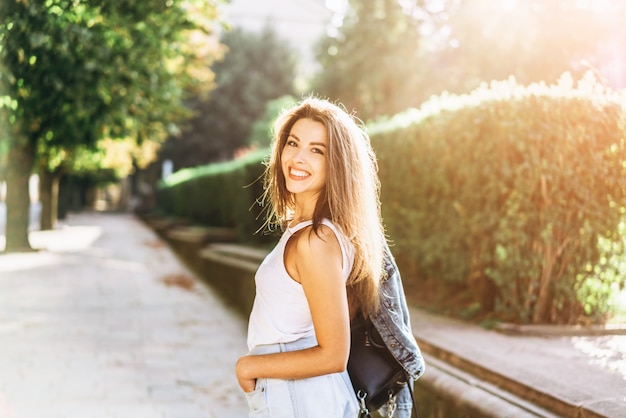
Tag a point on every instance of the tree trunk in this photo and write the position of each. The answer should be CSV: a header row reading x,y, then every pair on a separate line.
x,y
67,196
49,197
21,160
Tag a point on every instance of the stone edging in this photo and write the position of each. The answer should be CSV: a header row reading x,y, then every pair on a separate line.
x,y
560,330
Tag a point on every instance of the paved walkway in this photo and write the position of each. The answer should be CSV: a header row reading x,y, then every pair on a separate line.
x,y
574,376
105,322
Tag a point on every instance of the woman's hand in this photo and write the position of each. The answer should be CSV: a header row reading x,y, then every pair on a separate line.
x,y
246,383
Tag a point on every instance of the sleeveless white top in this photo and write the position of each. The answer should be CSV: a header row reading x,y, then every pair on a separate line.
x,y
280,312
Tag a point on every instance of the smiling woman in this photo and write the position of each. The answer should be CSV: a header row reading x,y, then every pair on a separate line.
x,y
322,190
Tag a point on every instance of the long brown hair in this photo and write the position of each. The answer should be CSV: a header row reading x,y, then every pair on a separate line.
x,y
350,198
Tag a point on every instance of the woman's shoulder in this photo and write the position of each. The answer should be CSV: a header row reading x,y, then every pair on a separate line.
x,y
312,245
313,253
316,238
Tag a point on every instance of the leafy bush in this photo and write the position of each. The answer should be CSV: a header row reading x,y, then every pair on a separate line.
x,y
516,193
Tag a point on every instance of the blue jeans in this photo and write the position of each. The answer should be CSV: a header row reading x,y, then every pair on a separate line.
x,y
329,395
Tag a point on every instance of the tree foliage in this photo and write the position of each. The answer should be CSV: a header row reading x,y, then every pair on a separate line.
x,y
370,65
389,55
262,130
78,71
531,40
256,68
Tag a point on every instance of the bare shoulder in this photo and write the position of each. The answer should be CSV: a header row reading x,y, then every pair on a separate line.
x,y
309,253
311,245
317,252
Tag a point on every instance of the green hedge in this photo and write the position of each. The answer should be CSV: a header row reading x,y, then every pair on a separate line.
x,y
516,193
221,195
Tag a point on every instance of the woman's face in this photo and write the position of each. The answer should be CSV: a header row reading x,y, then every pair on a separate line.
x,y
304,158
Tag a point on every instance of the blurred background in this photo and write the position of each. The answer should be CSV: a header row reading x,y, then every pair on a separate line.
x,y
114,106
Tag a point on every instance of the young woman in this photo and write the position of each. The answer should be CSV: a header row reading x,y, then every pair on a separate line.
x,y
323,189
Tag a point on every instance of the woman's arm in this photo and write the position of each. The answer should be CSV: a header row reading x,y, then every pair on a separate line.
x,y
316,262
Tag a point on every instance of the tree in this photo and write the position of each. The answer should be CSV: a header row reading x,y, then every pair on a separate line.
x,y
531,40
370,65
256,69
389,55
262,130
76,71
4,141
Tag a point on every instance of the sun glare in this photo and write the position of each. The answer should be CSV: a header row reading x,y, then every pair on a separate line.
x,y
598,6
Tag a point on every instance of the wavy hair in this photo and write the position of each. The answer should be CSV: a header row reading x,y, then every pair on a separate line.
x,y
350,198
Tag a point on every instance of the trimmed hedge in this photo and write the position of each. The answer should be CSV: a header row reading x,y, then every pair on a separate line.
x,y
514,193
517,193
221,195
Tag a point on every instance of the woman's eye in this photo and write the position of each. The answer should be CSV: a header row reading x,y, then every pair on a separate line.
x,y
291,143
318,151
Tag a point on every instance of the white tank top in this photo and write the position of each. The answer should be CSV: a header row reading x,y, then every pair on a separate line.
x,y
280,312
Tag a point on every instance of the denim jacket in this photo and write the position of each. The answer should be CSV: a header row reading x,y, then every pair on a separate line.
x,y
394,325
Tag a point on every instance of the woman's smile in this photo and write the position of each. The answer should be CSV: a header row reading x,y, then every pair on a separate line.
x,y
298,174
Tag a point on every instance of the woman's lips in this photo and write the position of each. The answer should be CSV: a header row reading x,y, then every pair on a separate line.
x,y
298,174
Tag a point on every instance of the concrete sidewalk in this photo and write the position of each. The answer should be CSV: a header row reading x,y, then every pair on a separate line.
x,y
106,322
570,376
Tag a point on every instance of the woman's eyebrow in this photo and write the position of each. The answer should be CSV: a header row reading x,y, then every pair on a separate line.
x,y
318,144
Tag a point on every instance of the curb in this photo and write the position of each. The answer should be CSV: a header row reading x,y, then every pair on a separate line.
x,y
513,389
472,396
560,330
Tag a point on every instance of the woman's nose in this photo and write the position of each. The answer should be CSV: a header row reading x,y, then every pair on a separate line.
x,y
299,157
